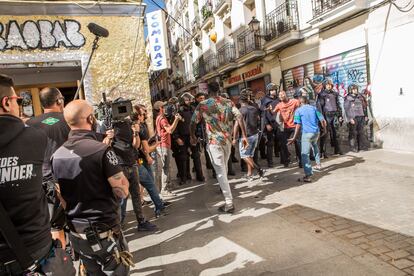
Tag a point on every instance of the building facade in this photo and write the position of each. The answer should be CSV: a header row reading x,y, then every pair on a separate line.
x,y
47,43
249,43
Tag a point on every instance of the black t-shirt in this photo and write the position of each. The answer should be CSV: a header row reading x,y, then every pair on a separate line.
x,y
123,139
251,119
22,150
143,136
57,131
82,166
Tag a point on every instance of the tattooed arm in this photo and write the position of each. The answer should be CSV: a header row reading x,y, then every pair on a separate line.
x,y
120,185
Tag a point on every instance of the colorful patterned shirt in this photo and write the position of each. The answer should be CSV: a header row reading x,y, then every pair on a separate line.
x,y
218,114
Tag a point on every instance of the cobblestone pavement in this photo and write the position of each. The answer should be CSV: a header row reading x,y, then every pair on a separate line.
x,y
356,218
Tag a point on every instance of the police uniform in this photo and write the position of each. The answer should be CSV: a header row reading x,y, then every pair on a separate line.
x,y
328,103
355,108
82,167
272,136
57,131
182,156
22,150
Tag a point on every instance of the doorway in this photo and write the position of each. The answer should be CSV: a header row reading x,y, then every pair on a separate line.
x,y
30,78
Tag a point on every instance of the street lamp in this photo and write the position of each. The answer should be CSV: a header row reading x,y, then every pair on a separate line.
x,y
254,25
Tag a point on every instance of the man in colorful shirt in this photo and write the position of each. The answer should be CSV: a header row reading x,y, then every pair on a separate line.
x,y
287,108
218,114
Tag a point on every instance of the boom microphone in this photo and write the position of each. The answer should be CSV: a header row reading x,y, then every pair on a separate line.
x,y
98,30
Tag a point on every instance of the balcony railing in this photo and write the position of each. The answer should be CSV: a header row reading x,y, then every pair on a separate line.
x,y
248,42
218,4
195,24
226,54
199,68
282,20
211,62
206,12
321,7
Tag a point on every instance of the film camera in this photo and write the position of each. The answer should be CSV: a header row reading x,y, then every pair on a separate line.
x,y
111,112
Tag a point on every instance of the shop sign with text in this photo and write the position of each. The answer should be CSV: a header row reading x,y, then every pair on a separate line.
x,y
157,36
40,34
247,75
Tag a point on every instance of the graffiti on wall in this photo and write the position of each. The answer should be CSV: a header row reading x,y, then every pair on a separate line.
x,y
42,34
343,69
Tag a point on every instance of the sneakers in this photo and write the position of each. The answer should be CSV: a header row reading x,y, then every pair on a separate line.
x,y
226,209
318,168
261,172
249,178
146,226
168,194
307,179
159,213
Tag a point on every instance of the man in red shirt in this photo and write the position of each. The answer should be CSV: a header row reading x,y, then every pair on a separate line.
x,y
164,130
286,107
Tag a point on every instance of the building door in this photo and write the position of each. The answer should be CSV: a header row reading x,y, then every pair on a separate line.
x,y
29,79
257,85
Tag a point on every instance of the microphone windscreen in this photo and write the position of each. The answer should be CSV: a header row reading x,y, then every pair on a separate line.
x,y
98,30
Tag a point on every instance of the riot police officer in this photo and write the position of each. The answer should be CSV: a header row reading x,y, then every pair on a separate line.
x,y
328,103
92,183
356,114
181,137
269,124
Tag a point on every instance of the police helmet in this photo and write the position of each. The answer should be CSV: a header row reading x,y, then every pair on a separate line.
x,y
272,86
186,97
225,95
245,95
352,86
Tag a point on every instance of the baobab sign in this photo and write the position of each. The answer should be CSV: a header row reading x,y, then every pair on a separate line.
x,y
41,34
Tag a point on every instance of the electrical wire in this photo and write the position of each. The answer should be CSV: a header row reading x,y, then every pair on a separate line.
x,y
179,24
402,9
132,62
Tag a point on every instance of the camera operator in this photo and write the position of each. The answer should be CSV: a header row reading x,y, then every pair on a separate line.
x,y
125,142
181,137
92,183
57,130
25,239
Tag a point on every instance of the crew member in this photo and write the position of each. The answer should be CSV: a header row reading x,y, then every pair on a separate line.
x,y
328,103
57,131
269,124
181,137
92,183
125,142
22,151
145,161
357,116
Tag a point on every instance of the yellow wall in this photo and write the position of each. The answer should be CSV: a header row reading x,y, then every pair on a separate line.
x,y
113,58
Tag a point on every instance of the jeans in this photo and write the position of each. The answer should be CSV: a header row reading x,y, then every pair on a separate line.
x,y
219,156
147,181
309,140
131,173
165,156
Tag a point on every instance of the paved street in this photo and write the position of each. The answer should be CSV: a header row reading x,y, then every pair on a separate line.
x,y
356,218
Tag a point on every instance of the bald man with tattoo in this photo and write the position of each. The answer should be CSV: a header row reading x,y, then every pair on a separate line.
x,y
92,184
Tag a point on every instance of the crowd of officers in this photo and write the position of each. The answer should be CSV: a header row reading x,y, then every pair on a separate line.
x,y
50,167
